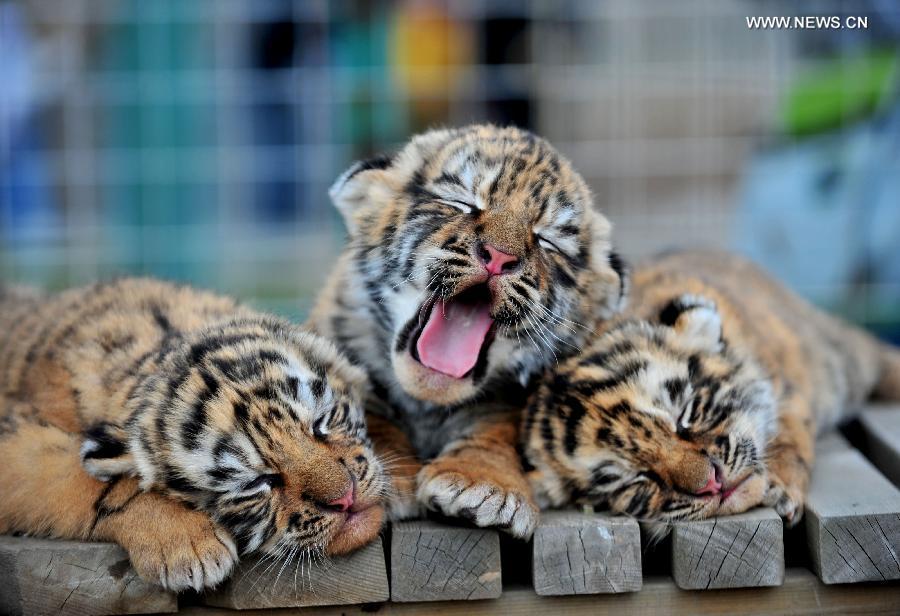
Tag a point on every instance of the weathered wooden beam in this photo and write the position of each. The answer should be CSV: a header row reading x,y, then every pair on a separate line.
x,y
42,576
852,518
736,551
579,553
434,562
881,431
360,577
801,594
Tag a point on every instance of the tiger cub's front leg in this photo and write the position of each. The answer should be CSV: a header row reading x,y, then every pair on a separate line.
x,y
789,460
47,492
479,477
167,542
399,457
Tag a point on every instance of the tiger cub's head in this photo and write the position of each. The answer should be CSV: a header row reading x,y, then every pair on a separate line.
x,y
478,250
259,424
661,422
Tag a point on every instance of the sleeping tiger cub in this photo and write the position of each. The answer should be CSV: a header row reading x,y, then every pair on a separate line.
x,y
704,398
470,251
186,428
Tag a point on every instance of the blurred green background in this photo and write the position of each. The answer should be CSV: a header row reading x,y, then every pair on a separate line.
x,y
196,139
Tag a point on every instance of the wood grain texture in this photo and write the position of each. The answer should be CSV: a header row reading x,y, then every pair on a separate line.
x,y
801,593
586,553
42,576
434,562
360,577
881,430
852,519
737,551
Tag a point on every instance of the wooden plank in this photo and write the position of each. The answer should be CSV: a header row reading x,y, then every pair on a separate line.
x,y
434,562
42,576
360,577
801,593
881,431
736,551
852,519
586,553
832,442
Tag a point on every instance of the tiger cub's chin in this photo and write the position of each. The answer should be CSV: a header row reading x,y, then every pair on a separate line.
x,y
359,528
423,383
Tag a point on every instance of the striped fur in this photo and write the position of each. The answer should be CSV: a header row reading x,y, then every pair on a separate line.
x,y
416,220
713,365
242,426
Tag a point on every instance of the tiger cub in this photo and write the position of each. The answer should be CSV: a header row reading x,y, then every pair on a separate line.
x,y
470,251
705,398
183,426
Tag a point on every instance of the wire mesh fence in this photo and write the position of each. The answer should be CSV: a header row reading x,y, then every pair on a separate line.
x,y
196,140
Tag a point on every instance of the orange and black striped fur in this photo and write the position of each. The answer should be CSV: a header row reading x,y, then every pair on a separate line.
x,y
470,252
183,426
703,398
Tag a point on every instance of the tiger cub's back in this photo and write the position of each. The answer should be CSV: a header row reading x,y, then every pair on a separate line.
x,y
83,344
805,350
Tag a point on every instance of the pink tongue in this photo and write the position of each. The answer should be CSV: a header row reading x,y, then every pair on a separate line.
x,y
453,336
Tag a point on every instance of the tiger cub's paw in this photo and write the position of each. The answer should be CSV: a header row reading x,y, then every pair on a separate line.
x,y
188,552
485,498
787,502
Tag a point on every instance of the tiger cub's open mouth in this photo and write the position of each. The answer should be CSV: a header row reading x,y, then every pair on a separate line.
x,y
453,336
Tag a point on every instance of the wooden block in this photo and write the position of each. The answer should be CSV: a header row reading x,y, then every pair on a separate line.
x,y
434,562
360,577
852,519
43,576
881,428
586,553
737,551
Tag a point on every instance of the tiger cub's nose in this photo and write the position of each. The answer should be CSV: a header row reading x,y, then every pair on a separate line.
x,y
495,261
343,503
713,483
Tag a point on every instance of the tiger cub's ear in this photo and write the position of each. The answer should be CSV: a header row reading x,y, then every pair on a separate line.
x,y
696,320
621,268
105,453
363,183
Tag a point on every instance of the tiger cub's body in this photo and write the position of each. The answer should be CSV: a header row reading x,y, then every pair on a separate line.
x,y
181,425
704,398
471,251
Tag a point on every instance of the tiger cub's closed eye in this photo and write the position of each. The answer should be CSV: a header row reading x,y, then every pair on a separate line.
x,y
270,480
463,206
547,244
